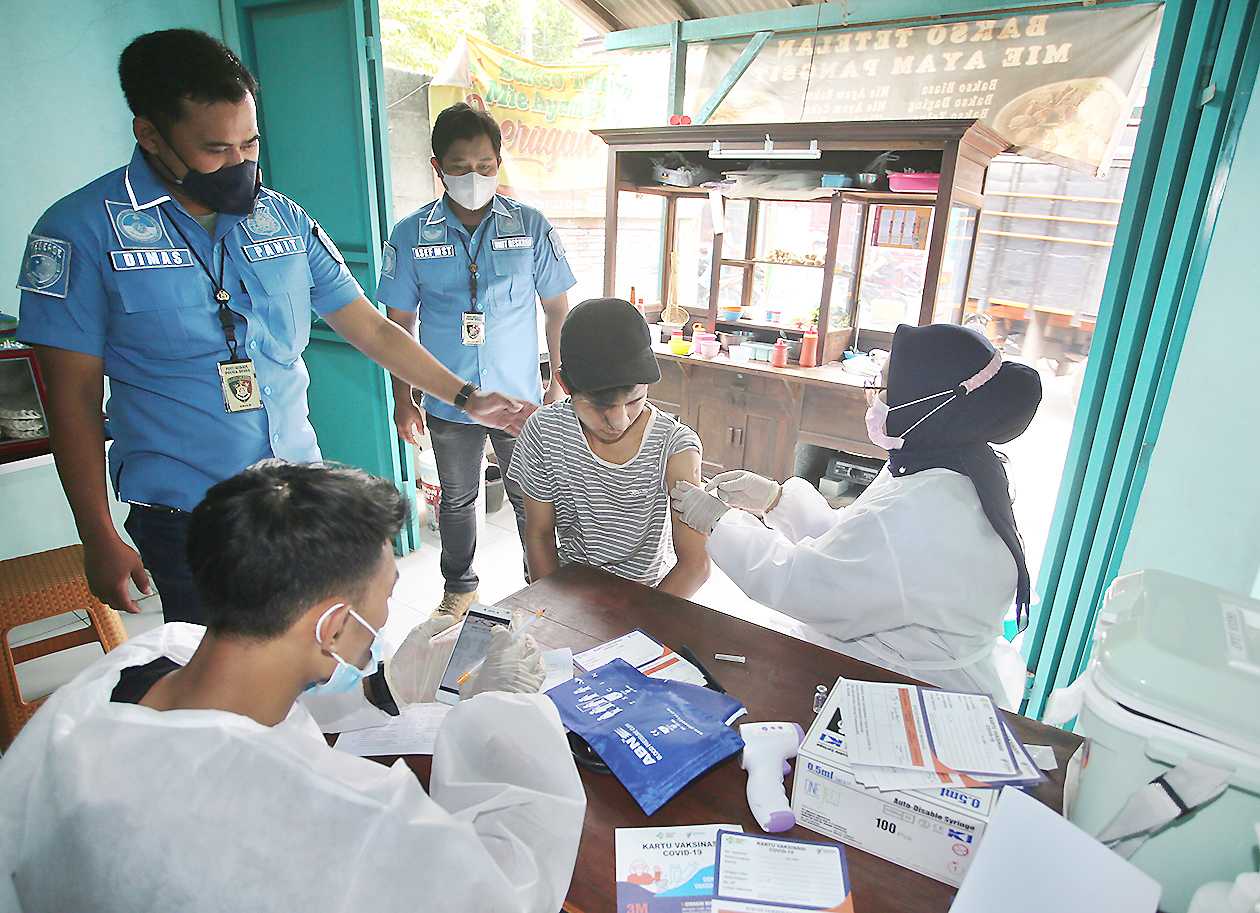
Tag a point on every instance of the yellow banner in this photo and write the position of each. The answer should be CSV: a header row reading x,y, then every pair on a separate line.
x,y
550,157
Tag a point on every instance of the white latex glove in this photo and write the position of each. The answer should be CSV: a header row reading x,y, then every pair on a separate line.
x,y
697,508
416,668
513,663
745,490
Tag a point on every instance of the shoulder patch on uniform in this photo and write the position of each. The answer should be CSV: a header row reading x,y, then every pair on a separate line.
x,y
389,260
46,266
557,245
328,243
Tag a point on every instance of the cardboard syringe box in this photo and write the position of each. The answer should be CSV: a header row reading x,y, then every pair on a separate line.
x,y
934,832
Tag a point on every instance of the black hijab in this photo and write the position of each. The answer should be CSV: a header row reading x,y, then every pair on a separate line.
x,y
929,359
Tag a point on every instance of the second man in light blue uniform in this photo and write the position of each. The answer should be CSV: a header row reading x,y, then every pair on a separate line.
x,y
471,269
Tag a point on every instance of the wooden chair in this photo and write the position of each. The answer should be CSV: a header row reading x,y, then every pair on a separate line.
x,y
43,586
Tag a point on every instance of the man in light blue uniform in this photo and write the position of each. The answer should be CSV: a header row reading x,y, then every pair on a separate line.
x,y
191,287
472,267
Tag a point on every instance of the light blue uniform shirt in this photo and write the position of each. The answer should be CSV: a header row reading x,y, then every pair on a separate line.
x,y
519,260
107,274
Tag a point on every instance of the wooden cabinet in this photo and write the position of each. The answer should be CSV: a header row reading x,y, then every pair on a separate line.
x,y
754,418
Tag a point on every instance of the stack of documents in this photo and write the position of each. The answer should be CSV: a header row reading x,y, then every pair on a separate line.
x,y
651,658
905,737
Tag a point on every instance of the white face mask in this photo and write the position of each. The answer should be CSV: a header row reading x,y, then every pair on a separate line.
x,y
472,190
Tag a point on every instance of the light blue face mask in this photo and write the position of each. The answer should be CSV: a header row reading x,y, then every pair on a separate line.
x,y
347,675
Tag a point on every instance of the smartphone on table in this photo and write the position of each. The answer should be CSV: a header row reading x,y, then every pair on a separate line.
x,y
470,649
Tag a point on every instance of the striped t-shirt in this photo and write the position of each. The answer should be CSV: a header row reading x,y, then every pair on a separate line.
x,y
607,516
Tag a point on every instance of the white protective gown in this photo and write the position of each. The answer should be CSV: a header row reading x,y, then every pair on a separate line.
x,y
910,576
116,807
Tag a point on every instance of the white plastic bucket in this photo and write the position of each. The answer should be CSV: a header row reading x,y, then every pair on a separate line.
x,y
1124,751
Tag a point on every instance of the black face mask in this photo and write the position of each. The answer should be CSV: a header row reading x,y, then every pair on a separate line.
x,y
232,189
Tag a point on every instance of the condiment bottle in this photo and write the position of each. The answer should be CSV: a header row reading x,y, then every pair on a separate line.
x,y
809,349
779,357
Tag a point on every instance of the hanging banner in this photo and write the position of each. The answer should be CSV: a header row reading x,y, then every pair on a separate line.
x,y
550,157
1059,86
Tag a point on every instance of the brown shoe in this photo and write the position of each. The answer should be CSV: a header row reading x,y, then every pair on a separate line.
x,y
456,604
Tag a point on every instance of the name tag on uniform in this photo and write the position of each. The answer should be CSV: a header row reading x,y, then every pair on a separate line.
x,y
240,386
433,251
512,243
150,259
269,250
474,328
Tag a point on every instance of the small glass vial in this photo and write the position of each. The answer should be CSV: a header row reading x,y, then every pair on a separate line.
x,y
820,698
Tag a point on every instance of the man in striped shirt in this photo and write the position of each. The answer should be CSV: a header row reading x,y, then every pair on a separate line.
x,y
597,468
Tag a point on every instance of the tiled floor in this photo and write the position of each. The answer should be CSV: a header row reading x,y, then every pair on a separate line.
x,y
418,592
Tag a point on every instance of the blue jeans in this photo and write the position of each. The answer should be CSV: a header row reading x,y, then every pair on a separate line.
x,y
457,449
161,537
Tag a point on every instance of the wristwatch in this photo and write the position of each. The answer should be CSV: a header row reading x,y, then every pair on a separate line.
x,y
465,394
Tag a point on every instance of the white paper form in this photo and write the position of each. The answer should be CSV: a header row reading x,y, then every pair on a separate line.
x,y
636,648
765,874
414,731
923,729
558,667
1034,861
645,654
888,779
965,732
884,725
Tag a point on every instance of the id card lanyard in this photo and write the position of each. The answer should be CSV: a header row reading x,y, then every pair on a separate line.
x,y
237,379
474,322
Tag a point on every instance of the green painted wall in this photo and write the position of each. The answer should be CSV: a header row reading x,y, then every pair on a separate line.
x,y
64,123
1200,510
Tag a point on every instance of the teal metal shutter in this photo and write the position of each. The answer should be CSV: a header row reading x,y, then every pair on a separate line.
x,y
318,64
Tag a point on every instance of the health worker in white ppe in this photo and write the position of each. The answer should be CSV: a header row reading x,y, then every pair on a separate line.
x,y
917,574
180,772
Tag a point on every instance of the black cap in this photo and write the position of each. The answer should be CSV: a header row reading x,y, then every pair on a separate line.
x,y
605,343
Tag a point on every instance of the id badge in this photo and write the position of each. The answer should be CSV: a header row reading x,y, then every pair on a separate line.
x,y
474,328
240,386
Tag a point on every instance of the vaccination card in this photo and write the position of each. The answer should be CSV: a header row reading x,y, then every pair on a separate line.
x,y
757,874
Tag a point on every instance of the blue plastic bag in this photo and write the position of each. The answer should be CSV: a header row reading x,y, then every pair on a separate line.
x,y
656,736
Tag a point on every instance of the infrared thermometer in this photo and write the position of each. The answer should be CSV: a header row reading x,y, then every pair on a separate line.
x,y
767,748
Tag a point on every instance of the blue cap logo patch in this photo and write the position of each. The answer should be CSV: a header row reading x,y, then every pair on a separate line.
x,y
138,226
46,266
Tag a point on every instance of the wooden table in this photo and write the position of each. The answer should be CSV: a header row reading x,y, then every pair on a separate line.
x,y
586,607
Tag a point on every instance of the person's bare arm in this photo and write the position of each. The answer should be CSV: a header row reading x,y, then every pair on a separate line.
x,y
692,569
383,341
76,384
540,539
554,311
408,418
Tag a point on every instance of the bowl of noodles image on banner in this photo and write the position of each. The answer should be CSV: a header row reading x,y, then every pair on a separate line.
x,y
1075,119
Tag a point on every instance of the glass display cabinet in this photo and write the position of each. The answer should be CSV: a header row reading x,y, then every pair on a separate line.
x,y
850,262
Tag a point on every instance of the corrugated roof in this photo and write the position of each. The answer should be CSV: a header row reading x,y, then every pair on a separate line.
x,y
614,15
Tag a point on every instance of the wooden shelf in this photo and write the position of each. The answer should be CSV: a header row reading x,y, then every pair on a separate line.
x,y
731,261
824,194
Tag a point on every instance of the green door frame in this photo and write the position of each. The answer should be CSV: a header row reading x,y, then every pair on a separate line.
x,y
347,181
